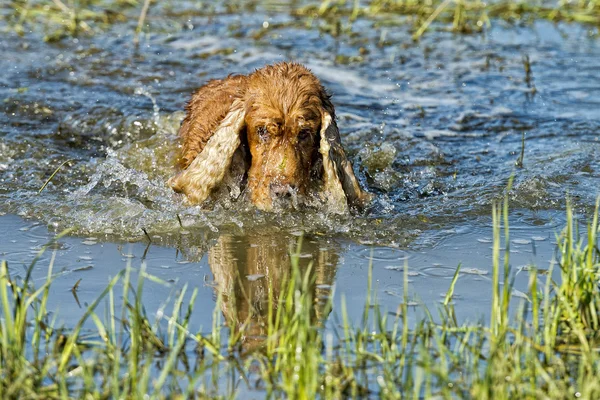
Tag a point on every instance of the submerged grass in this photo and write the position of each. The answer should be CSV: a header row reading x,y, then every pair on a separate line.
x,y
544,347
460,16
60,19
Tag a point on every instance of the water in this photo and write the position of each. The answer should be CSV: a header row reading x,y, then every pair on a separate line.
x,y
434,129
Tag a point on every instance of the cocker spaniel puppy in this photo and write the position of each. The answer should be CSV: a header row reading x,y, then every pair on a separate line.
x,y
277,127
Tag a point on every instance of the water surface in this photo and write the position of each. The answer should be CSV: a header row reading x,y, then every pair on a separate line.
x,y
434,129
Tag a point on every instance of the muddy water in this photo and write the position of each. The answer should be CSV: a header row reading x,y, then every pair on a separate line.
x,y
434,130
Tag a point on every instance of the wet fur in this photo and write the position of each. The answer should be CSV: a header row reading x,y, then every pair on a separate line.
x,y
283,117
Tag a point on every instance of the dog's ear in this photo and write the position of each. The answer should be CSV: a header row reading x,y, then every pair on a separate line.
x,y
210,165
204,113
340,184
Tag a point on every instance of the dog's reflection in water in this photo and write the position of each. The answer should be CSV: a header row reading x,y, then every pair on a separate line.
x,y
246,268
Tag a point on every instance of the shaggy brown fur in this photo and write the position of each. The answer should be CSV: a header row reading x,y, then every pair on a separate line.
x,y
283,117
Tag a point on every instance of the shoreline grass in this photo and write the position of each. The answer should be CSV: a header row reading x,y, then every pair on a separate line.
x,y
459,16
543,347
59,20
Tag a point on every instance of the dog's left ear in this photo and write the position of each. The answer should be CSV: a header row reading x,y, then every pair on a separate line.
x,y
340,184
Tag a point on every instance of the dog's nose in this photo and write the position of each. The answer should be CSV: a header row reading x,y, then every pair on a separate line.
x,y
281,190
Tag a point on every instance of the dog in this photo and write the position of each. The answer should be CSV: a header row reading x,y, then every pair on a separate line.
x,y
276,127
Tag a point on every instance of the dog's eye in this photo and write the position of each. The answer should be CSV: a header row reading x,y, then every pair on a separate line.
x,y
263,134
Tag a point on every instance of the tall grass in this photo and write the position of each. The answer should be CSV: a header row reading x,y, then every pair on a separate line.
x,y
543,347
60,19
460,16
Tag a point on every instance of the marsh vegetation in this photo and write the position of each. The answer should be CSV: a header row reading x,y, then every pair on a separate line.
x,y
60,19
543,345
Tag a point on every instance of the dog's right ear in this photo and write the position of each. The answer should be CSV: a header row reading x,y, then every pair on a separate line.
x,y
209,167
210,136
206,109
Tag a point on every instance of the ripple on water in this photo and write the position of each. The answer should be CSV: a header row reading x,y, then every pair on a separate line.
x,y
382,254
409,272
438,271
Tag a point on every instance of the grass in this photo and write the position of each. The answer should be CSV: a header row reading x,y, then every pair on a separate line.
x,y
543,347
460,16
59,19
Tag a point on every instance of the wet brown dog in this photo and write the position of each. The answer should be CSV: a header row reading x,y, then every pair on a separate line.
x,y
277,125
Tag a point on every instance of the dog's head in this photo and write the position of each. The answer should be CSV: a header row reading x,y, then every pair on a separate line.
x,y
285,105
284,116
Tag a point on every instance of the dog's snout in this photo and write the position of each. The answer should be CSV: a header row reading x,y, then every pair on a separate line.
x,y
281,190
